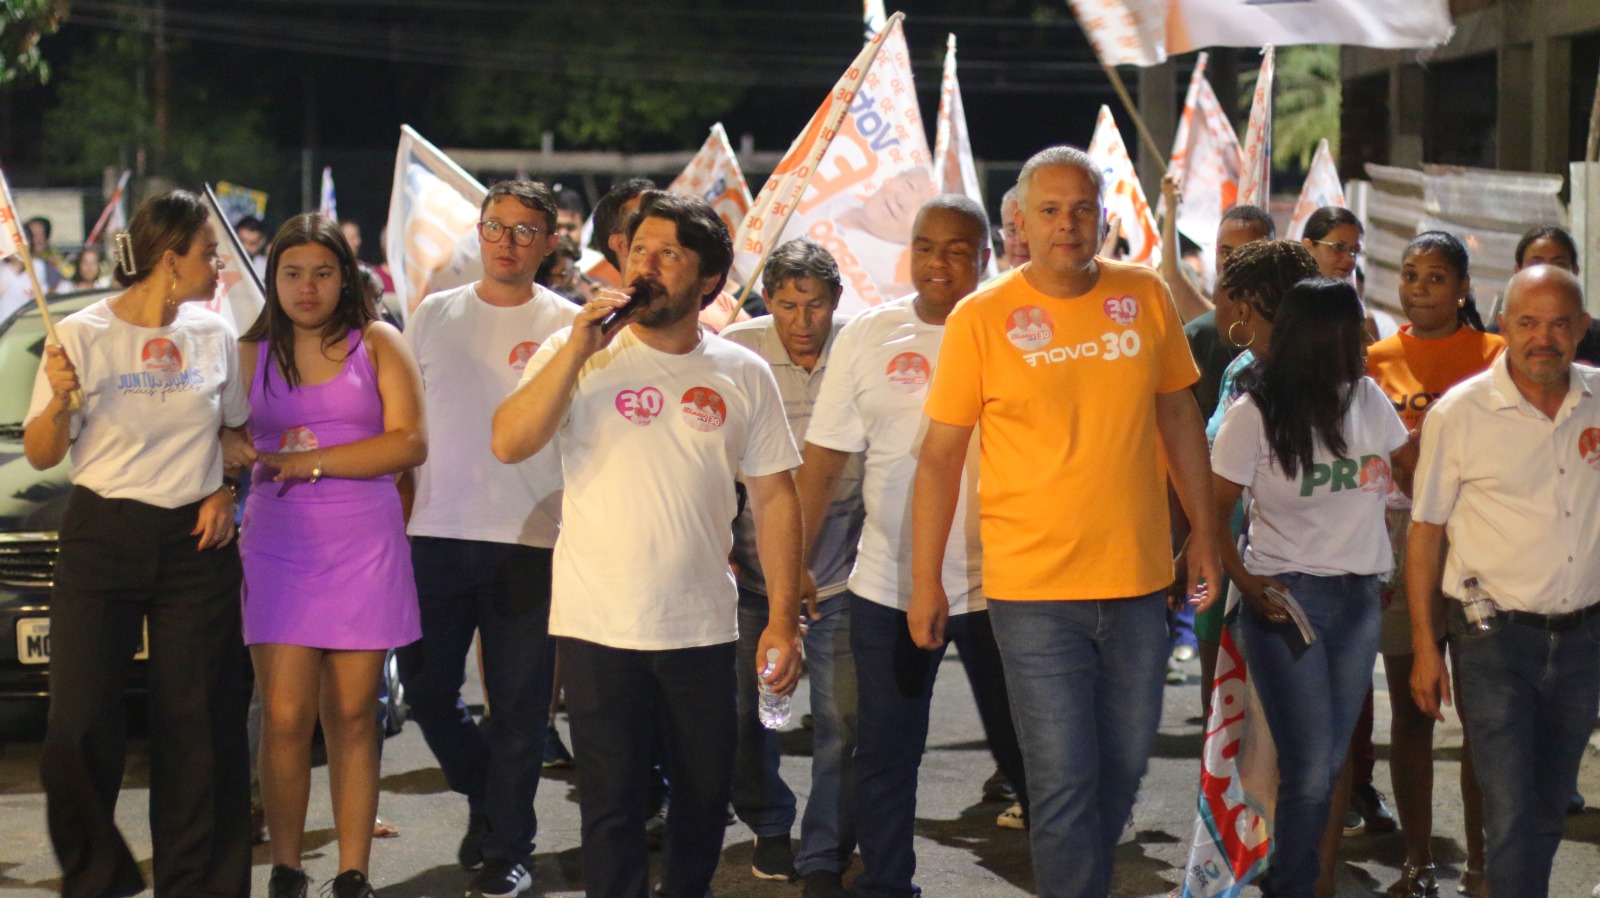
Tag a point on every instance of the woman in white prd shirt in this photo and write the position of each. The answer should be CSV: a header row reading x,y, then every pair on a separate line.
x,y
1311,439
148,532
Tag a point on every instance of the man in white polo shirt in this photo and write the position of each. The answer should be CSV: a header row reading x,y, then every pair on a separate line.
x,y
871,401
1510,473
481,537
653,421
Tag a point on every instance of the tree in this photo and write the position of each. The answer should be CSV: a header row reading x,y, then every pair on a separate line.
x,y
1306,105
22,24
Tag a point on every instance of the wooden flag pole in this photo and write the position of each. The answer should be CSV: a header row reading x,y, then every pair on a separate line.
x,y
75,401
1138,120
1593,154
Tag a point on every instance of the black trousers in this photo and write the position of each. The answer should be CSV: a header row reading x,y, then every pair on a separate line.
x,y
122,561
616,699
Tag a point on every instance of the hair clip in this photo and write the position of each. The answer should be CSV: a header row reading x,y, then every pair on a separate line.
x,y
123,250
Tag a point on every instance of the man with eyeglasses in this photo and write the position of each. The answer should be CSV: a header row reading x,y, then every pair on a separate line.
x,y
482,534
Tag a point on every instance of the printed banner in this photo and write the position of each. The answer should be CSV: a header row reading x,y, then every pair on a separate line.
x,y
853,180
1322,188
1232,831
874,19
11,239
239,297
1255,178
1146,32
237,202
433,210
330,206
1124,197
953,168
1206,155
714,176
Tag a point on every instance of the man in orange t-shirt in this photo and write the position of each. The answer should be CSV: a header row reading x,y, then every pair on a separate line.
x,y
1071,367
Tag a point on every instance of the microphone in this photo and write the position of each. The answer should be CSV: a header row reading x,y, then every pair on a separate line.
x,y
638,297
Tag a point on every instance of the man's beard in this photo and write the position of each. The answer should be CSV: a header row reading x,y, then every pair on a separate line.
x,y
666,310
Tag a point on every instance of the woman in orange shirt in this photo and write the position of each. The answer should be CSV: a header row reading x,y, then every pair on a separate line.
x,y
1443,345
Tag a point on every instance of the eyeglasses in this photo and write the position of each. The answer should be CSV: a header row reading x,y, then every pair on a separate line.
x,y
1342,249
494,232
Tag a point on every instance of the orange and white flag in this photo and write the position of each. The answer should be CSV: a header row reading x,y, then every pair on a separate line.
x,y
1322,188
953,168
432,243
1206,156
714,176
239,297
1124,197
11,240
114,217
1255,180
1146,32
853,180
873,18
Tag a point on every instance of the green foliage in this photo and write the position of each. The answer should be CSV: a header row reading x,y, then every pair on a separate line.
x,y
1307,103
22,24
104,114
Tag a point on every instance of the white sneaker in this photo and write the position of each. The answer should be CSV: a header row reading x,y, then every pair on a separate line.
x,y
1011,818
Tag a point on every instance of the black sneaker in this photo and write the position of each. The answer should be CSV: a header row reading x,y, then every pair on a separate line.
x,y
287,882
470,854
500,878
998,788
1374,813
556,755
773,858
823,884
352,884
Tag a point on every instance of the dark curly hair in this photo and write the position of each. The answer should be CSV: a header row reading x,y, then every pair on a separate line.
x,y
1262,272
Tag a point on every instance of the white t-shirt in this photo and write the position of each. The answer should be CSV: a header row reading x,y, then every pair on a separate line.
x,y
878,376
472,355
154,400
649,451
1328,520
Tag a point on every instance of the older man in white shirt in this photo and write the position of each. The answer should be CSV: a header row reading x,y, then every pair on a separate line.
x,y
1510,472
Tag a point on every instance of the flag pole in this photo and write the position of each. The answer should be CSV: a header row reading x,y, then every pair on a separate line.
x,y
1133,111
74,401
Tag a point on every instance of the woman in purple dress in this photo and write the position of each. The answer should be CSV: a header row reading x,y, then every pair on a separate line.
x,y
335,413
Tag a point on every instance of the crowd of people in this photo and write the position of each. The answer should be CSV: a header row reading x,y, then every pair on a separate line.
x,y
1054,470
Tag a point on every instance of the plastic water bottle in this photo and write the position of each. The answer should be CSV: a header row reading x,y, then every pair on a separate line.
x,y
1483,618
773,709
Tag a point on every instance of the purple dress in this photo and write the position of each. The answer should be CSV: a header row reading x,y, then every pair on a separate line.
x,y
326,564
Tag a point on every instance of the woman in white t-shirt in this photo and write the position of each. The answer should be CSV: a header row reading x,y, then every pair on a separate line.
x,y
146,546
1310,438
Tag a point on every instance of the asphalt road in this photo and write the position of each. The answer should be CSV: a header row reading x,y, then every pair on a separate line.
x,y
960,850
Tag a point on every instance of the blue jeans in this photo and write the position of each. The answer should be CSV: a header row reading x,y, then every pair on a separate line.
x,y
502,592
1085,679
1528,701
1311,697
895,682
760,797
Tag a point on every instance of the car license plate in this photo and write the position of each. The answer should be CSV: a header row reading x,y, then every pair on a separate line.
x,y
33,641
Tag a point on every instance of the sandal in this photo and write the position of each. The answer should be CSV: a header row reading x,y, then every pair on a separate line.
x,y
1472,883
383,829
1416,881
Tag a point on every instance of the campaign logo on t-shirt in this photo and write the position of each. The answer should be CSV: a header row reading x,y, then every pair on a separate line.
x,y
908,372
161,354
640,406
1030,328
1589,447
521,353
1375,476
1122,309
703,409
297,439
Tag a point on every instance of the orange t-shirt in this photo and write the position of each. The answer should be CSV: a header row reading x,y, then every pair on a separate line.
x,y
1414,373
1072,490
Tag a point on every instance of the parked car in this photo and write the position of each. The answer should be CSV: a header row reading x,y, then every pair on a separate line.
x,y
32,503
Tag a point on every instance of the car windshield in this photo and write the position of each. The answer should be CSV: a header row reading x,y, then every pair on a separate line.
x,y
20,348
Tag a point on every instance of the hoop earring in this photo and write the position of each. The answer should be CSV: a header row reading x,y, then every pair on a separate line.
x,y
1235,340
1461,303
172,293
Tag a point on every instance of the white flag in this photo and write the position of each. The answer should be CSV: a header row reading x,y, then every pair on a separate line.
x,y
433,213
330,206
714,176
1146,32
953,168
1255,178
853,179
1206,156
1322,188
239,297
11,239
1124,197
874,19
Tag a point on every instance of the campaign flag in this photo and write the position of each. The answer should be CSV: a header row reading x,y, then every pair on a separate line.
x,y
114,217
1146,32
1206,156
1255,177
714,176
1238,786
11,240
853,180
875,19
1322,188
329,207
953,168
432,242
239,297
1124,197
237,201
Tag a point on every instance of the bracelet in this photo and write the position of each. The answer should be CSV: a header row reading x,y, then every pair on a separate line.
x,y
316,472
233,488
